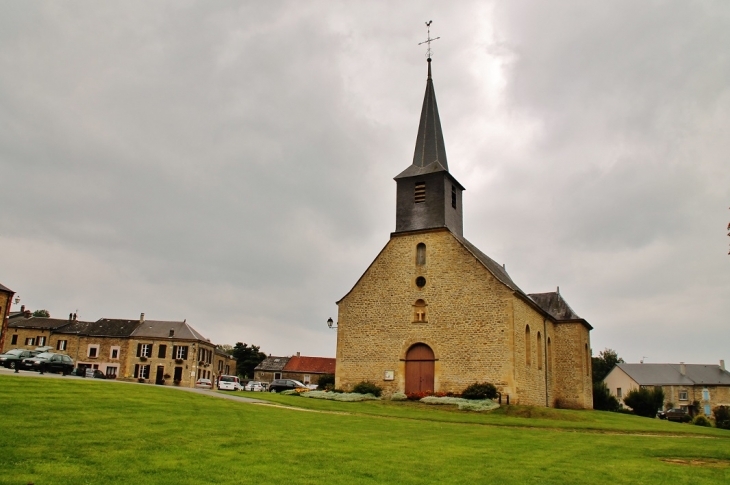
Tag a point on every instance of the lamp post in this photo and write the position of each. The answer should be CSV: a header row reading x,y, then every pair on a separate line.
x,y
331,323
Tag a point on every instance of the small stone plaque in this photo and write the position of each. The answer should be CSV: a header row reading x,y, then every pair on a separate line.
x,y
389,375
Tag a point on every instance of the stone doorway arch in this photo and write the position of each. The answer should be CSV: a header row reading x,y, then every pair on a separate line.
x,y
419,368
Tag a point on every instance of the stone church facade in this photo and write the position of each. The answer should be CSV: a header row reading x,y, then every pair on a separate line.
x,y
434,313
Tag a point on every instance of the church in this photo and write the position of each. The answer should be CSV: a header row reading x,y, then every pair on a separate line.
x,y
432,313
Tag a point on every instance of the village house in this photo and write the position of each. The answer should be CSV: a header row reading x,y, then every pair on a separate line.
x,y
685,385
306,370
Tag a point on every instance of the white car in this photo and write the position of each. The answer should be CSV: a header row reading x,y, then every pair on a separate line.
x,y
229,383
254,386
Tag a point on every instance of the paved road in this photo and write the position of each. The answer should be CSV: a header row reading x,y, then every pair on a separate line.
x,y
222,395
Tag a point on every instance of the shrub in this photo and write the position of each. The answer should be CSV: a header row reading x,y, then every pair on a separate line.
x,y
398,396
461,403
366,387
722,417
602,398
480,390
326,382
702,421
289,392
645,402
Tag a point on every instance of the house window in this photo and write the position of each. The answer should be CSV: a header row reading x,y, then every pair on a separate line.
x,y
705,395
453,196
180,351
220,366
539,351
30,341
228,370
420,195
93,351
61,344
528,346
619,393
420,254
162,352
178,374
683,395
111,371
144,350
277,375
14,340
141,371
307,378
41,341
707,410
419,311
114,354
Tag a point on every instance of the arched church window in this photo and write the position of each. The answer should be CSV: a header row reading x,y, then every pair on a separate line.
x,y
528,347
453,196
419,311
539,350
549,355
588,361
420,254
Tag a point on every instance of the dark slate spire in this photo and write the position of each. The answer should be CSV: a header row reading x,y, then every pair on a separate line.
x,y
430,141
430,153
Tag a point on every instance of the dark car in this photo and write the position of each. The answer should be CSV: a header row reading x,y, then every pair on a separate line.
x,y
680,415
278,385
12,358
50,362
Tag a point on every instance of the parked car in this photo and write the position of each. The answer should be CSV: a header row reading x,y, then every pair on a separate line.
x,y
204,384
50,362
229,383
255,386
278,385
680,415
12,358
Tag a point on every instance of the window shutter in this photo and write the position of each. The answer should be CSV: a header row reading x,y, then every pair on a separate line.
x,y
185,353
139,353
174,351
162,352
136,369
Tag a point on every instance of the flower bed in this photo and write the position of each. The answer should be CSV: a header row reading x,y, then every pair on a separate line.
x,y
463,404
340,396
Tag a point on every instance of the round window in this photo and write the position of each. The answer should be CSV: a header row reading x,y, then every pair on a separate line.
x,y
420,281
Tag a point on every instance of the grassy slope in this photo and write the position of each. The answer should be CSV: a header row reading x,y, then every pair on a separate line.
x,y
78,431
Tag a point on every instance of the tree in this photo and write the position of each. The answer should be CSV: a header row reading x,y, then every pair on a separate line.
x,y
602,398
602,365
228,349
247,358
42,314
645,402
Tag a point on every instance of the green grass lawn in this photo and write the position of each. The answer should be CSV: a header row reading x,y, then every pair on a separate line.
x,y
62,431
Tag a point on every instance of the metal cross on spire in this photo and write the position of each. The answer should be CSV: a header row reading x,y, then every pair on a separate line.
x,y
428,40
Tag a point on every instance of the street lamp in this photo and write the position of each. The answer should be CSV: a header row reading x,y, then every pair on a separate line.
x,y
331,323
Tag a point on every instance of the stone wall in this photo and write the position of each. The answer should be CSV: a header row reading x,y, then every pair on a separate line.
x,y
474,324
573,384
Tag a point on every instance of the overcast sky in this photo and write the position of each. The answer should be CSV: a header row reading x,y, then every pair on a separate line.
x,y
231,163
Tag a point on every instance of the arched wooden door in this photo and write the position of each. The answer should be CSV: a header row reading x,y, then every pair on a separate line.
x,y
419,369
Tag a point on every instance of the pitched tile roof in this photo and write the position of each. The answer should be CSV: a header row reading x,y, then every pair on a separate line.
x,y
104,327
161,329
311,365
555,305
38,322
670,374
272,363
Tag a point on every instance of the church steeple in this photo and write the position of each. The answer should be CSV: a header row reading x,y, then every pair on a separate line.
x,y
428,197
430,140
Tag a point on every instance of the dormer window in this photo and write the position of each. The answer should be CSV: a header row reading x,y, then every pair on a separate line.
x,y
420,195
453,196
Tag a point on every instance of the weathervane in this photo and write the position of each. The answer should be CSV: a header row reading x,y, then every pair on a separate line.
x,y
428,40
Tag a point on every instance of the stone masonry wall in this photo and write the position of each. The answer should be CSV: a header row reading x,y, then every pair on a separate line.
x,y
573,383
474,324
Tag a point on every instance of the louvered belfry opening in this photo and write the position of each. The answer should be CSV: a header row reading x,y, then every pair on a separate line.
x,y
420,195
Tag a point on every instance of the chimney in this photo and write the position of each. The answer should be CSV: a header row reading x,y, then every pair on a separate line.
x,y
682,368
172,333
722,364
22,308
74,317
70,317
141,318
297,354
26,314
